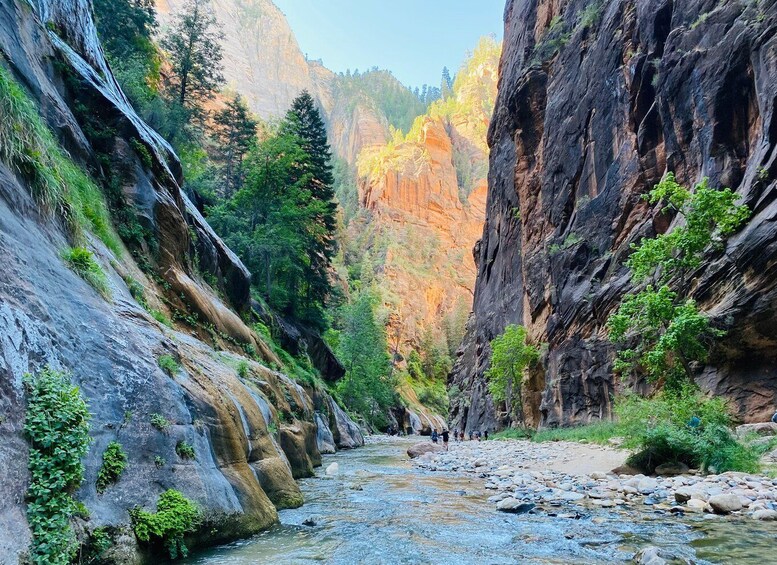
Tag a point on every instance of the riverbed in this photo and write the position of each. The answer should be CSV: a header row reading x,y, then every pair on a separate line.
x,y
381,509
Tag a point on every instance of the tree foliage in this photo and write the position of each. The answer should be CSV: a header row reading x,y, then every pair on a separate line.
x,y
235,131
672,332
175,517
368,385
194,49
511,355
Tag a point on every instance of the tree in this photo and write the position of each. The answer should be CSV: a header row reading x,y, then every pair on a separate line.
x,y
272,222
235,130
446,83
195,54
669,330
304,121
368,387
511,355
125,27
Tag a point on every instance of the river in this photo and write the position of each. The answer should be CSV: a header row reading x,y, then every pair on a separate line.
x,y
381,509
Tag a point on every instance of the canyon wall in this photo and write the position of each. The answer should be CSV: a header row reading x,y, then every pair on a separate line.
x,y
596,102
253,429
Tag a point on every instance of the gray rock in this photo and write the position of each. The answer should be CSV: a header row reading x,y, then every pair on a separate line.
x,y
421,448
672,469
514,506
725,503
765,515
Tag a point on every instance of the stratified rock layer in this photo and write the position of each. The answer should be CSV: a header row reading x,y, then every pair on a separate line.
x,y
636,89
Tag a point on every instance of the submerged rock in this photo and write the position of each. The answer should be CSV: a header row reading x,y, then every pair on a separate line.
x,y
420,449
514,506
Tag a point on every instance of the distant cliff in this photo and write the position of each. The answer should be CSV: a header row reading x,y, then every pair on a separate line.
x,y
597,100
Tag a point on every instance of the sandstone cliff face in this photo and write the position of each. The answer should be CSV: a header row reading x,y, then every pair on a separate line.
x,y
638,89
262,59
252,432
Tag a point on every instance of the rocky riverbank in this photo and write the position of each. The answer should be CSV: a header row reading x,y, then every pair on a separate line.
x,y
564,478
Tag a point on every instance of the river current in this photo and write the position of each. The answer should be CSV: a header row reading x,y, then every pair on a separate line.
x,y
381,509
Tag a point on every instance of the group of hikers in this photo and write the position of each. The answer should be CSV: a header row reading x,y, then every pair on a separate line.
x,y
457,436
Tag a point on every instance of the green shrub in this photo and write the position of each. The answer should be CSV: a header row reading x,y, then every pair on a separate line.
x,y
57,184
513,433
159,461
160,422
175,516
57,428
83,263
161,318
169,365
114,462
600,432
185,450
137,291
242,369
681,425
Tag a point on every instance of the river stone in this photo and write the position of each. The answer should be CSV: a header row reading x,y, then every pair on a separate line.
x,y
333,469
514,506
696,505
672,469
647,485
649,556
598,475
762,429
420,448
725,503
766,515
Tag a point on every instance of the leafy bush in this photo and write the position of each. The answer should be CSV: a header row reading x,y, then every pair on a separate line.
x,y
83,263
160,422
600,432
57,429
168,364
137,291
185,450
242,369
159,461
681,425
114,462
175,516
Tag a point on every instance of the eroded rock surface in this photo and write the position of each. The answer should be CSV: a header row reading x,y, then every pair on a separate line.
x,y
584,126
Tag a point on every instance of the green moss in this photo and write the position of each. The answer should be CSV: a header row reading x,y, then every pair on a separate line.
x,y
142,151
175,516
169,365
81,260
56,182
57,429
159,461
185,450
114,463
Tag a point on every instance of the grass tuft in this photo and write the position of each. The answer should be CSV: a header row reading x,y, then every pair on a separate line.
x,y
83,263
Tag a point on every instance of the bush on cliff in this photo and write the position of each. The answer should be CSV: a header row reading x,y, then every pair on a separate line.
x,y
57,428
175,517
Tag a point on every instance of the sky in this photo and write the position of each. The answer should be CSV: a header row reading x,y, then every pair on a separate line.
x,y
414,39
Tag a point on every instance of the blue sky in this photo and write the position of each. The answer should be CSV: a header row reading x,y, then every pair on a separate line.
x,y
412,38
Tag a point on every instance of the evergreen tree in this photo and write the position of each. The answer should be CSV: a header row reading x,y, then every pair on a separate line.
x,y
446,83
195,55
304,121
235,131
125,27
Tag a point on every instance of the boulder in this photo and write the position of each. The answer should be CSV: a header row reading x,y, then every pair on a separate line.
x,y
333,469
649,556
672,469
725,503
514,506
421,448
765,515
697,505
761,429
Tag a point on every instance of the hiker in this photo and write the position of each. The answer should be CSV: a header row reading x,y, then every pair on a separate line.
x,y
774,418
485,435
461,435
434,436
471,435
445,439
456,434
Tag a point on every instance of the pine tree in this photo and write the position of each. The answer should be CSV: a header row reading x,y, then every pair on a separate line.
x,y
235,130
195,54
304,121
125,27
446,83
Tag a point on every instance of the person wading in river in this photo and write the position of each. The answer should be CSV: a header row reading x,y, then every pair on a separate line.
x,y
434,436
445,439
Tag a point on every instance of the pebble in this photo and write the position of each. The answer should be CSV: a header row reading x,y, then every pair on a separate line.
x,y
502,465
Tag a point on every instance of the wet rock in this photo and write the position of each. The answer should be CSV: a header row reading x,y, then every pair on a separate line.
x,y
697,505
310,521
725,503
514,506
333,469
765,515
647,485
649,556
421,448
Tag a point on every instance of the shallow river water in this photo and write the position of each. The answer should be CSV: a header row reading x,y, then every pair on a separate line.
x,y
380,509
